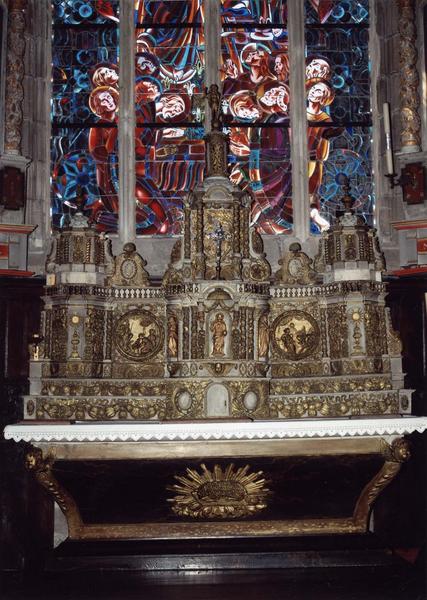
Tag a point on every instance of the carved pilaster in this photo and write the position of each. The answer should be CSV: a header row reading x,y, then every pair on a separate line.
x,y
409,78
15,72
217,154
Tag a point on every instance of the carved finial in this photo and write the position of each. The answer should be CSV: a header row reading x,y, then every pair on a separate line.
x,y
129,268
347,199
214,98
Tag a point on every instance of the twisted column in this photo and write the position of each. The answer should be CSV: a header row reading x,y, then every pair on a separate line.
x,y
15,71
409,78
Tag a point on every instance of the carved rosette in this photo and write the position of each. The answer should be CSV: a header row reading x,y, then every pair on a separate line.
x,y
15,71
409,77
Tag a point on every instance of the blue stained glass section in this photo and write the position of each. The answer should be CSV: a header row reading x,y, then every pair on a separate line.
x,y
93,173
343,53
254,11
337,11
85,102
349,155
81,60
338,87
85,12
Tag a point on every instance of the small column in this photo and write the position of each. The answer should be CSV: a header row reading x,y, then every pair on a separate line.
x,y
299,157
127,208
409,78
15,71
213,50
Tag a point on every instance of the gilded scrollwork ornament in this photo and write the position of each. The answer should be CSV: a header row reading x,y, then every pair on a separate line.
x,y
296,267
129,268
409,78
15,73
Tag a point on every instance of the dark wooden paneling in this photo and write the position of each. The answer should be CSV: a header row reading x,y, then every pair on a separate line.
x,y
23,505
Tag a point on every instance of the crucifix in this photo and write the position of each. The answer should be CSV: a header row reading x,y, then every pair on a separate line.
x,y
218,236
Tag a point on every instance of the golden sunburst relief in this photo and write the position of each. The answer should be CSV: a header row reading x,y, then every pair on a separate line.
x,y
227,494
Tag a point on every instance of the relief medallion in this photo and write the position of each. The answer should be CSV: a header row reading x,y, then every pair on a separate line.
x,y
138,335
296,335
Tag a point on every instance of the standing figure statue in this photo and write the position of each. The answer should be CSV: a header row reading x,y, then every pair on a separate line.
x,y
173,336
219,332
214,98
263,336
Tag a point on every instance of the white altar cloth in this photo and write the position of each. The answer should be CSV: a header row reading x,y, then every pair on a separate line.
x,y
211,431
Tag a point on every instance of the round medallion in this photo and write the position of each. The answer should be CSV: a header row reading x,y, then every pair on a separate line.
x,y
138,335
296,335
128,269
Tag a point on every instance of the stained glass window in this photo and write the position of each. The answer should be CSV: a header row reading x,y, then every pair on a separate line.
x,y
255,73
169,85
338,106
169,96
85,100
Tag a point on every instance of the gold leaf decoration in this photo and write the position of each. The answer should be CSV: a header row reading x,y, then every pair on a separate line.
x,y
229,494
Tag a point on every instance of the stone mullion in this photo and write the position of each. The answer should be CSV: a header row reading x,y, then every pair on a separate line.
x,y
298,119
410,135
126,133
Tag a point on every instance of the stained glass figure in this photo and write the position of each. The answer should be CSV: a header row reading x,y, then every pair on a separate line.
x,y
256,106
169,104
338,106
85,101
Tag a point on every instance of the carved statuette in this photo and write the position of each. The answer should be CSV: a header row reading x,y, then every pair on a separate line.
x,y
219,332
129,268
173,336
296,267
214,98
263,336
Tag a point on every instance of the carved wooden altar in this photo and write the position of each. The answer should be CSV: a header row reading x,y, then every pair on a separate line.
x,y
227,400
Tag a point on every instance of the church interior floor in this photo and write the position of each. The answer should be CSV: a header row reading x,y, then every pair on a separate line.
x,y
290,584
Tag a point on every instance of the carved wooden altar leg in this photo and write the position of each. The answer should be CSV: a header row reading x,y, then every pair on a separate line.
x,y
15,71
48,470
409,78
41,466
395,455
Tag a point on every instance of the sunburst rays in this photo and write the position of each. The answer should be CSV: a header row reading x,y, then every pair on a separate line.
x,y
228,494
